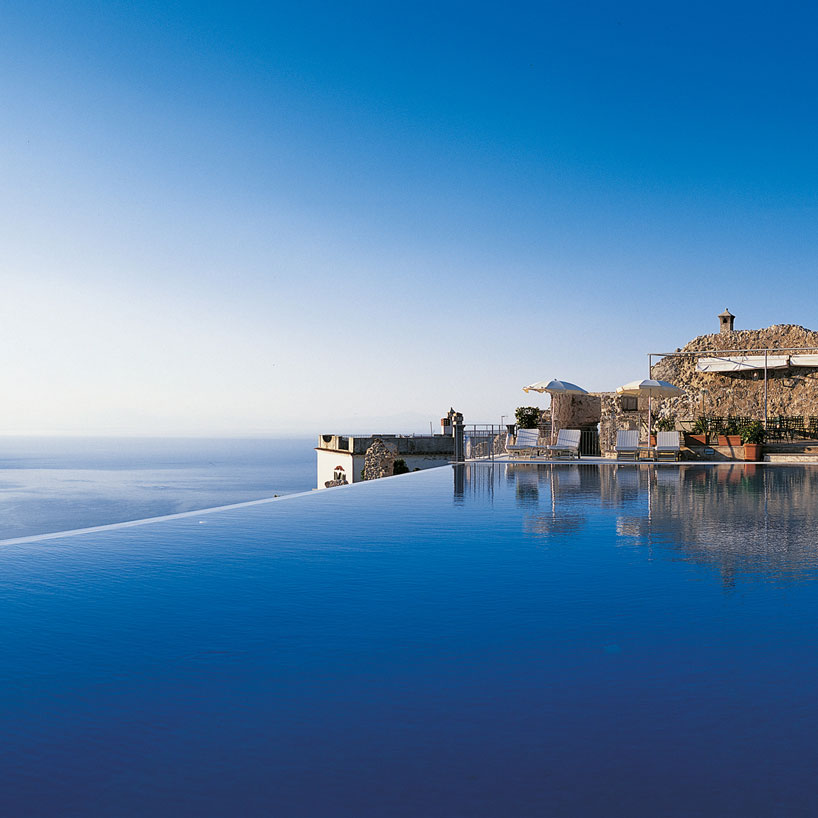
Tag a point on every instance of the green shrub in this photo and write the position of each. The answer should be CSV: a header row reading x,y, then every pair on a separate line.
x,y
752,432
528,417
400,467
700,426
667,424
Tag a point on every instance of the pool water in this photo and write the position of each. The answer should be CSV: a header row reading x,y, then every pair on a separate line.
x,y
512,640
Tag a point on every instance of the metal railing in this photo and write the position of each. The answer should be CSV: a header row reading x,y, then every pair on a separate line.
x,y
788,428
780,428
487,441
484,441
589,443
720,353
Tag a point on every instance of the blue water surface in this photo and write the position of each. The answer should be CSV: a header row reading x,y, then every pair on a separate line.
x,y
575,640
52,484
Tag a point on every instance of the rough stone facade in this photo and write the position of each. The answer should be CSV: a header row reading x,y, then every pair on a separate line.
x,y
380,460
604,411
575,411
613,418
790,391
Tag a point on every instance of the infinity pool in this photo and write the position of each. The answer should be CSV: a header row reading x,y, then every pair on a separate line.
x,y
572,640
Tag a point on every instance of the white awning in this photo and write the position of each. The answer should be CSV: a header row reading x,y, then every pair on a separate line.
x,y
804,360
743,363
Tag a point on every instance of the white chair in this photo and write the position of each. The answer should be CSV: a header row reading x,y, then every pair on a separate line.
x,y
627,444
527,441
667,446
567,444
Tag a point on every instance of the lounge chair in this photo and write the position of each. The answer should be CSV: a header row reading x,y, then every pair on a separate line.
x,y
567,444
667,446
627,444
527,441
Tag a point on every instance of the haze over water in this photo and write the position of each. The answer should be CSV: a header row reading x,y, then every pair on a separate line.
x,y
56,484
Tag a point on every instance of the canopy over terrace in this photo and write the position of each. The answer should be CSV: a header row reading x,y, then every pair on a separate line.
x,y
743,363
757,362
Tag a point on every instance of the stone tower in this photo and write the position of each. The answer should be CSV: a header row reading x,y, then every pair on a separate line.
x,y
726,321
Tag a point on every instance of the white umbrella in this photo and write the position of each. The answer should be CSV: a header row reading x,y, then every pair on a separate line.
x,y
653,389
555,387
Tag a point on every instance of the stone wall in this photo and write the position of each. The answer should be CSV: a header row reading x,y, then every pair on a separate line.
x,y
603,410
790,391
614,419
576,411
404,445
380,460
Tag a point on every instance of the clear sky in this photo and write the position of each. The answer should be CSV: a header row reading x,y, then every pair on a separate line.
x,y
251,218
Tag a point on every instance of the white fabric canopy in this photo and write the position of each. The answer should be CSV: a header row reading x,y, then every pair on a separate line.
x,y
804,360
743,363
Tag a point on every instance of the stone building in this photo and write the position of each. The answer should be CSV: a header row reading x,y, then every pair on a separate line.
x,y
342,459
735,384
721,373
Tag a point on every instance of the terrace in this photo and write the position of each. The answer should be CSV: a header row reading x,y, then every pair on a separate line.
x,y
727,380
787,439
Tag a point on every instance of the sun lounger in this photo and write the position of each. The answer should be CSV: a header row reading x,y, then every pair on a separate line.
x,y
668,478
627,444
567,444
527,441
667,446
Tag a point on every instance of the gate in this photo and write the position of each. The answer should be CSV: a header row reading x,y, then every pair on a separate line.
x,y
589,442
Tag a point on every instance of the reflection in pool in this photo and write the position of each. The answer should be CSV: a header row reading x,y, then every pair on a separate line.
x,y
750,520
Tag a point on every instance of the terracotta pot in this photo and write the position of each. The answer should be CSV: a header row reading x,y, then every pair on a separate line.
x,y
730,440
752,451
695,440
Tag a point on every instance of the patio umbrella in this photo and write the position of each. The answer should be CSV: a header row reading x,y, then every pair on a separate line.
x,y
652,389
555,387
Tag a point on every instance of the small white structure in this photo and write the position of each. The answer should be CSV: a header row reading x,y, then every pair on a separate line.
x,y
340,458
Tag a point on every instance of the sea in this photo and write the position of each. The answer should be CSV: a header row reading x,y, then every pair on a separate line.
x,y
51,484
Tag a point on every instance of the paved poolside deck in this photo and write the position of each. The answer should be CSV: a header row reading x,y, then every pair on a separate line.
x,y
510,459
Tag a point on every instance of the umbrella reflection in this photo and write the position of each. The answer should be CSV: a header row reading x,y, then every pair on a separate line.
x,y
744,521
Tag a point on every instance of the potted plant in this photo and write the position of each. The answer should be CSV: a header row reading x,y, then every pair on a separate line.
x,y
752,435
732,433
697,436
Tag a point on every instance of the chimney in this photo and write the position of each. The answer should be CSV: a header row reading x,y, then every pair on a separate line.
x,y
726,321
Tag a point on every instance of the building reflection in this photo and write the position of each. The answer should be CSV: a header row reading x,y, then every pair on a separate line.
x,y
749,520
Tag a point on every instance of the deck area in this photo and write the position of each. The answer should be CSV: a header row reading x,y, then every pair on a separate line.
x,y
772,458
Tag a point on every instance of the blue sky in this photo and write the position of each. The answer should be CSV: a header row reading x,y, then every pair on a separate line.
x,y
258,218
